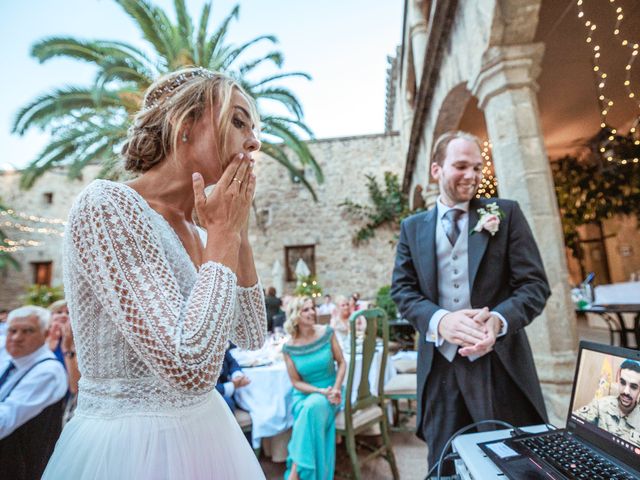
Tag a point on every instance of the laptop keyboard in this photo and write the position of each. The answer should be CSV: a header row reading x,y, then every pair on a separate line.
x,y
572,458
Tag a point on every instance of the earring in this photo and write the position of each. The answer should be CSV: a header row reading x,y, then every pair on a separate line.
x,y
184,137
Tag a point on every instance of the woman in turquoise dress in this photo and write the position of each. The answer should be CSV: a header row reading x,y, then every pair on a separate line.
x,y
311,357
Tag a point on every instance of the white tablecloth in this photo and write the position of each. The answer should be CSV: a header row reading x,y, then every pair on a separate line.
x,y
268,398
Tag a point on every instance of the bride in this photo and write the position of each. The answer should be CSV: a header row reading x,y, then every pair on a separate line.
x,y
154,299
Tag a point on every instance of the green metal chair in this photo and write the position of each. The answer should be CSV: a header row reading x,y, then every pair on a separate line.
x,y
368,410
403,386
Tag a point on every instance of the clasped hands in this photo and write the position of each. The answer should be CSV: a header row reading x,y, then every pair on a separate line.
x,y
474,330
334,395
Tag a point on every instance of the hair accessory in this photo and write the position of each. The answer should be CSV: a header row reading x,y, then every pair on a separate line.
x,y
163,93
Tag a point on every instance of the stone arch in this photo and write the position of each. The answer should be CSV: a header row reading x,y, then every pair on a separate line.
x,y
451,109
485,24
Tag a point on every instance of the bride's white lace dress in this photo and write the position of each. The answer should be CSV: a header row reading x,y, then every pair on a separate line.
x,y
150,332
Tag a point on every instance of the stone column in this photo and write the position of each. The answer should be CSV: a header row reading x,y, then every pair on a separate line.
x,y
418,35
506,92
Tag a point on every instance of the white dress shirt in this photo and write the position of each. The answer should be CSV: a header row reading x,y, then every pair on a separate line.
x,y
44,385
453,277
326,308
229,387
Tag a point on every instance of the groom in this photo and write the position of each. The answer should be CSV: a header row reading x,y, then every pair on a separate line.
x,y
469,277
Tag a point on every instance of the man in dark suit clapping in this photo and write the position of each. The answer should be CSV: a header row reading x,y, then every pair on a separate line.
x,y
469,277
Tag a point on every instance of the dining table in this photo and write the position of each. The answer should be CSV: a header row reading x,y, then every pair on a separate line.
x,y
269,396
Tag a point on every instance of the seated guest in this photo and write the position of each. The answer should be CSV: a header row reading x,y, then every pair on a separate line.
x,y
327,307
32,387
310,356
340,320
60,341
231,377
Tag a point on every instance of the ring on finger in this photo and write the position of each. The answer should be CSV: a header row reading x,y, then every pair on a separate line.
x,y
236,179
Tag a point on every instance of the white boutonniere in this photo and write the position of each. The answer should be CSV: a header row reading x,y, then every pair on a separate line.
x,y
489,219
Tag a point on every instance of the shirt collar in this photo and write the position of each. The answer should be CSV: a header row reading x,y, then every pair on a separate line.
x,y
442,208
28,360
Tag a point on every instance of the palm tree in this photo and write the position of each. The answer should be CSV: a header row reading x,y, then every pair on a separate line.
x,y
88,123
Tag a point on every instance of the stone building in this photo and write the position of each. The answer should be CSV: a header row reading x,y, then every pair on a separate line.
x,y
286,223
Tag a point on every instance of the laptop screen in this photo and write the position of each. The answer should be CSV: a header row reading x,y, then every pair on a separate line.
x,y
604,405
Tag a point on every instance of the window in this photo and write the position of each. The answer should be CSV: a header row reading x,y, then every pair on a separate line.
x,y
48,197
42,273
296,252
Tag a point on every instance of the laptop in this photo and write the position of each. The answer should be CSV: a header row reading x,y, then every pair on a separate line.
x,y
602,437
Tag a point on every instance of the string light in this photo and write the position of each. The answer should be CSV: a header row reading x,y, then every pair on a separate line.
x,y
600,76
604,102
634,53
29,224
489,184
25,228
17,245
32,218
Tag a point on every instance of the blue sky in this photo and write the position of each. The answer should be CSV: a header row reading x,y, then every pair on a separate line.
x,y
342,44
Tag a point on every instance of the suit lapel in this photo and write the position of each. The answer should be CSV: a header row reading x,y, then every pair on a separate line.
x,y
427,241
477,242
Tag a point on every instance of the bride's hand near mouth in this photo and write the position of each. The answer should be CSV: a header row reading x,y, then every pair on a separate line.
x,y
225,212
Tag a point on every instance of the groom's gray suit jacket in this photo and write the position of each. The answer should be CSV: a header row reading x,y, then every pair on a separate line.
x,y
505,274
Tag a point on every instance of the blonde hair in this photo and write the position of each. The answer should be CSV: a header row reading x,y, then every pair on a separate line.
x,y
57,305
443,141
173,99
294,308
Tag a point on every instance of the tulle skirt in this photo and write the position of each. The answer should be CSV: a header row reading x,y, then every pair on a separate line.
x,y
199,442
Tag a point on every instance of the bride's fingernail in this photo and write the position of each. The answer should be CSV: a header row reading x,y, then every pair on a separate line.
x,y
241,156
195,176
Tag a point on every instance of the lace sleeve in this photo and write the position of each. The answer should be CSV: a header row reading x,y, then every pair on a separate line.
x,y
183,341
250,321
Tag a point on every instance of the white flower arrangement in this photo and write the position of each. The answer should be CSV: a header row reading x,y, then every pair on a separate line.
x,y
489,219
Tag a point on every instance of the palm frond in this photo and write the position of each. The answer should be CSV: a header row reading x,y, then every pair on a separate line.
x,y
152,22
122,71
59,103
185,24
275,57
218,37
280,76
282,95
201,37
278,154
266,119
298,146
85,50
236,52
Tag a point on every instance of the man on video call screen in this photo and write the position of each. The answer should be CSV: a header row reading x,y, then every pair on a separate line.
x,y
618,414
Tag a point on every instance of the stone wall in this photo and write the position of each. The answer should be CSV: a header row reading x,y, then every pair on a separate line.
x,y
286,210
294,219
34,202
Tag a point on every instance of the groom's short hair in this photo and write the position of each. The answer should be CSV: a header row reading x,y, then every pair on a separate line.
x,y
443,141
